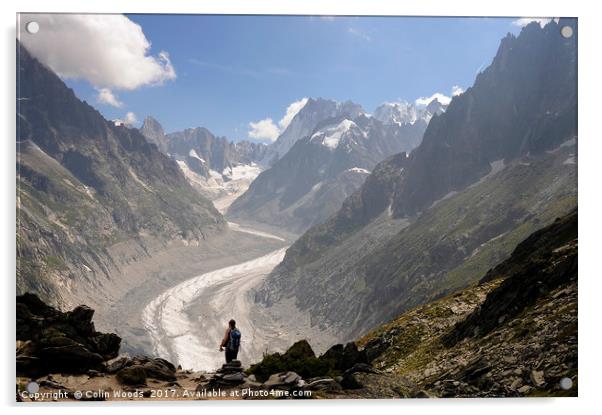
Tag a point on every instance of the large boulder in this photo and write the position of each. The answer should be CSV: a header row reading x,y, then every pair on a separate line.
x,y
322,384
335,353
81,320
132,376
57,342
155,368
139,367
350,381
116,364
344,357
284,381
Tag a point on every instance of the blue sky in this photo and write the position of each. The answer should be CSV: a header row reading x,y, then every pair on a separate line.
x,y
233,70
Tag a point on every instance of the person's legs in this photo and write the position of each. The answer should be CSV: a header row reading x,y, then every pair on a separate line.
x,y
230,356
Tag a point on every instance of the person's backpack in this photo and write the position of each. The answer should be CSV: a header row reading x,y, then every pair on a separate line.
x,y
234,342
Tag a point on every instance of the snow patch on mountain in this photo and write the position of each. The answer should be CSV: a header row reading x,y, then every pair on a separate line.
x,y
307,115
194,154
242,172
358,170
331,136
222,188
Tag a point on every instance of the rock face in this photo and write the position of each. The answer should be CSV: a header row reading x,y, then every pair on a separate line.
x,y
309,183
153,131
50,341
496,166
214,153
509,111
87,188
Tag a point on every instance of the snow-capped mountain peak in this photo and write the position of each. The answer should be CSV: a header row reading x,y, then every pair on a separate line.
x,y
331,136
315,111
404,112
396,113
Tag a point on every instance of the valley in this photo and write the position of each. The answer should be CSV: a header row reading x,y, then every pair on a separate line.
x,y
417,233
151,276
181,310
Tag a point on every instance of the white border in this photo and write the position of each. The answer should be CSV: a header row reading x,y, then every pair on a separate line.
x,y
590,154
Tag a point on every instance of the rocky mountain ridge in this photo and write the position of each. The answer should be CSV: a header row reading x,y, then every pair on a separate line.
x,y
214,153
433,222
408,113
91,196
219,169
309,183
532,80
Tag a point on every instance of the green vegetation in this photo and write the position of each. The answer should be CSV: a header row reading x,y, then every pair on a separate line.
x,y
55,262
418,331
299,358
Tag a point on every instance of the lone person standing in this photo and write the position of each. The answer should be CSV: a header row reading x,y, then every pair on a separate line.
x,y
231,341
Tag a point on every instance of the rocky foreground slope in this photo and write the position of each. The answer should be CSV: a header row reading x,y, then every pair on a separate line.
x,y
513,334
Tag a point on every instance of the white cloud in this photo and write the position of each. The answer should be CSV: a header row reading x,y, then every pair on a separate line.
x,y
267,129
106,96
129,120
524,21
457,90
442,98
109,51
291,111
264,130
424,101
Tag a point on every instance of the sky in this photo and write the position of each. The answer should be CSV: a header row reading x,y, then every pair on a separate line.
x,y
240,76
